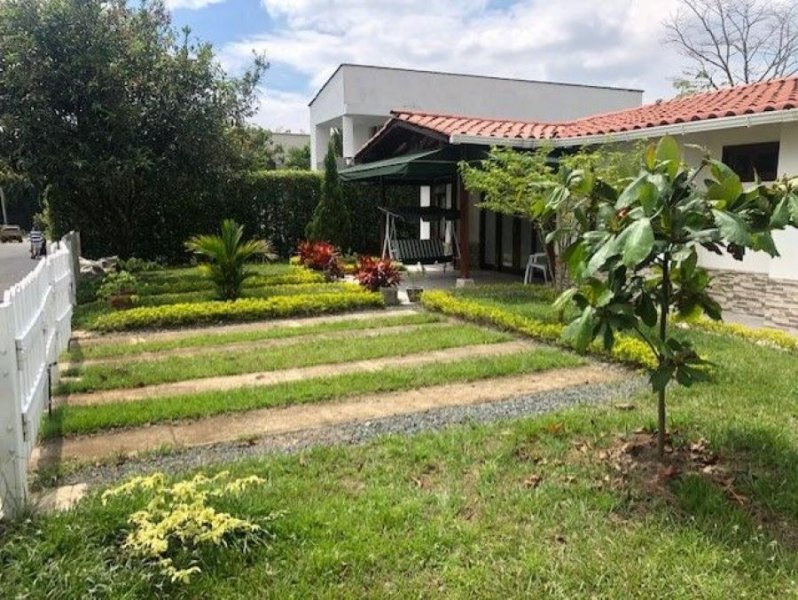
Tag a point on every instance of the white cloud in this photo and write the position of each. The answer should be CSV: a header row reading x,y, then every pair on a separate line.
x,y
282,110
190,4
614,42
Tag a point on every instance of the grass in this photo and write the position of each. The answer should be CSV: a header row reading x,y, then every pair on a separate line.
x,y
527,508
515,509
300,353
73,420
205,340
187,284
533,301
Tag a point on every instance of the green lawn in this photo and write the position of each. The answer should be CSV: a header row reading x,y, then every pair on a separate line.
x,y
300,353
74,420
536,508
453,514
207,340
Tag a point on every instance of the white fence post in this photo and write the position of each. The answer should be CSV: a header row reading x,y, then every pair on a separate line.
x,y
35,326
13,458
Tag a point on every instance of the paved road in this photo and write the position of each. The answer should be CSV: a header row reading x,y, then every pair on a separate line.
x,y
15,263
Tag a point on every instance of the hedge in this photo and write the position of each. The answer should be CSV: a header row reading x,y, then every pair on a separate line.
x,y
266,291
765,336
275,205
197,282
627,350
278,205
244,309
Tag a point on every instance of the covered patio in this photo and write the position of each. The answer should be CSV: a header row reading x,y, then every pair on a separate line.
x,y
487,247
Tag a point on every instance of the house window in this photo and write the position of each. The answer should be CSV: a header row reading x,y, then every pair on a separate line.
x,y
750,160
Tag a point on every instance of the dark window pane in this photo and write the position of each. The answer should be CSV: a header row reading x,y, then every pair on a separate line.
x,y
749,159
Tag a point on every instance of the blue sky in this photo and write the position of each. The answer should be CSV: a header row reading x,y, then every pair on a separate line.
x,y
561,40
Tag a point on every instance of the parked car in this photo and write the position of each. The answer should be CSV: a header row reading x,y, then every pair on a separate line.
x,y
10,233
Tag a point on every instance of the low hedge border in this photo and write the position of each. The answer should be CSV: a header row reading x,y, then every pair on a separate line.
x,y
244,309
761,336
266,291
196,282
627,350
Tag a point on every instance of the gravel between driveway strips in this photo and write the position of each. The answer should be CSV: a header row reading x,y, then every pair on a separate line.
x,y
358,433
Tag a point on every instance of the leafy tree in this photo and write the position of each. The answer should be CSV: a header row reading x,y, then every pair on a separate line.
x,y
730,42
122,118
634,254
297,158
252,148
517,183
228,254
330,222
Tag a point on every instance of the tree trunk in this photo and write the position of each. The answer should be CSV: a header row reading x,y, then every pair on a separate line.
x,y
663,333
661,423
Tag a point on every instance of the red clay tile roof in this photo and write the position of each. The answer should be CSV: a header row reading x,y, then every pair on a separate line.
x,y
773,95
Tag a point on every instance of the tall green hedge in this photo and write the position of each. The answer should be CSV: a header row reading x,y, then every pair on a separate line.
x,y
275,205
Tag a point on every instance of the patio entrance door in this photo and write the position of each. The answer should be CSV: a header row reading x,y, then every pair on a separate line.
x,y
505,242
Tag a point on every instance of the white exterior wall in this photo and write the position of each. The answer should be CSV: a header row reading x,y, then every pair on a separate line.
x,y
785,266
358,98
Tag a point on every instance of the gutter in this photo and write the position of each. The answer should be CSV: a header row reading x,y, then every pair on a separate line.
x,y
766,118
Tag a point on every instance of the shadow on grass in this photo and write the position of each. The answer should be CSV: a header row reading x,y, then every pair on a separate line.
x,y
743,493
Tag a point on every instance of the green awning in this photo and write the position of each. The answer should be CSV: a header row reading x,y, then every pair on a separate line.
x,y
418,167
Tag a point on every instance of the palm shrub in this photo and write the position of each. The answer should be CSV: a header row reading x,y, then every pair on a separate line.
x,y
228,254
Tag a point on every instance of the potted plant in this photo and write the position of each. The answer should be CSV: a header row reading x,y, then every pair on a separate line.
x,y
118,289
379,275
414,290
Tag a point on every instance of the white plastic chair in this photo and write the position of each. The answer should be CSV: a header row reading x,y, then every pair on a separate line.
x,y
538,261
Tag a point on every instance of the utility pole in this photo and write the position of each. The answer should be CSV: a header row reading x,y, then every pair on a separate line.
x,y
3,203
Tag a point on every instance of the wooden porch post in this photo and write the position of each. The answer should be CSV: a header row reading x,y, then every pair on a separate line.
x,y
463,229
382,229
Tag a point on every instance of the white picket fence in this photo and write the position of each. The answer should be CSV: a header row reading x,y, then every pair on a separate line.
x,y
35,327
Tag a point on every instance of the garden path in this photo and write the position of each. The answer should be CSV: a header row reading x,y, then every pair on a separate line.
x,y
266,378
258,345
87,338
272,421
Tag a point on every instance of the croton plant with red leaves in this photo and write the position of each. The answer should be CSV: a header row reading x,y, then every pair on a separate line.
x,y
374,274
320,256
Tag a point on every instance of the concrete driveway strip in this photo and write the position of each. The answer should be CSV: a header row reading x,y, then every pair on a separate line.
x,y
273,421
266,378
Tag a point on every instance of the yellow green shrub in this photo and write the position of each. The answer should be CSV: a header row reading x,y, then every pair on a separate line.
x,y
243,309
764,335
178,522
628,350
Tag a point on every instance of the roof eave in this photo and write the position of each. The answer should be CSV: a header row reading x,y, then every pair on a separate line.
x,y
766,118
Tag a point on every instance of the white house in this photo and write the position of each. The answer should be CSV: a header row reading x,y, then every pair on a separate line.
x,y
752,128
357,99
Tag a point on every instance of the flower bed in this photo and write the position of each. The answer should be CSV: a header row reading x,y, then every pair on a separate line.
x,y
244,309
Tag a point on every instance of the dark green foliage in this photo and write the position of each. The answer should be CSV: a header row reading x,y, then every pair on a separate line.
x,y
123,119
297,158
331,220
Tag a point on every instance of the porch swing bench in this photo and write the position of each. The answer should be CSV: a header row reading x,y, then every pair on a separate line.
x,y
426,252
415,251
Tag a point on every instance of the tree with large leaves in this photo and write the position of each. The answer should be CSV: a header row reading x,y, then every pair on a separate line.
x,y
228,254
633,253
